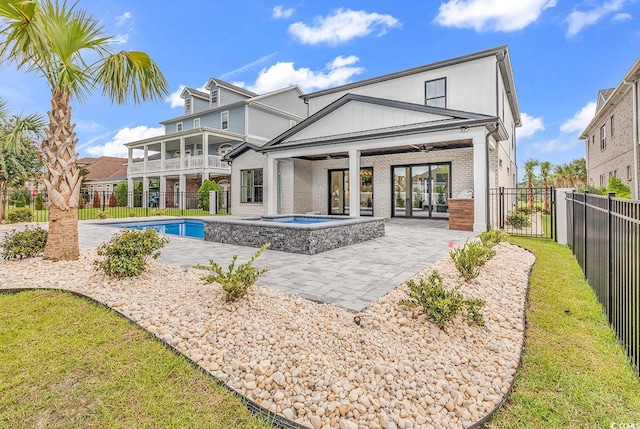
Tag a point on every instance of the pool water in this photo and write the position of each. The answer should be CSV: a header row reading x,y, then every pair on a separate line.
x,y
299,219
181,227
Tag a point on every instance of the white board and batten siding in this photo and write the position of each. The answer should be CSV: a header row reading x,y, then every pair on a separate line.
x,y
470,88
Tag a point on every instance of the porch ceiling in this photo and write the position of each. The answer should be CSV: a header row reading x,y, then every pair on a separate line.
x,y
431,147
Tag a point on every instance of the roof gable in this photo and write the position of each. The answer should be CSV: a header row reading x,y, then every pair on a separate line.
x,y
194,92
217,82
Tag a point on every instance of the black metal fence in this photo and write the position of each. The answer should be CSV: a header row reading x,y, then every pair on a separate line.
x,y
522,211
604,234
110,204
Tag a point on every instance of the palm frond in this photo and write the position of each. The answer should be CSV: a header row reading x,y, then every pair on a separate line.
x,y
131,74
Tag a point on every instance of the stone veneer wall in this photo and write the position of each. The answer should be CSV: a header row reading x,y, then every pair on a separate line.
x,y
293,239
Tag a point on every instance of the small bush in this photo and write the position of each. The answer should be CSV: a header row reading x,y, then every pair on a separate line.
x,y
203,194
440,304
24,244
112,200
132,213
21,201
38,202
158,212
235,284
469,258
518,219
102,215
81,202
492,237
127,251
96,200
23,214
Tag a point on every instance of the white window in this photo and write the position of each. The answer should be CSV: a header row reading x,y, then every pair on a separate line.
x,y
601,180
603,137
213,101
628,172
436,92
500,163
179,127
196,123
224,149
224,121
187,106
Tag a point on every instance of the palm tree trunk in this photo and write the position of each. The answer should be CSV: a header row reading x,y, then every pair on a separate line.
x,y
62,182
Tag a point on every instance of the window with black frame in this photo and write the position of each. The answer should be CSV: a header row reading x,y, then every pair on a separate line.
x,y
436,92
251,191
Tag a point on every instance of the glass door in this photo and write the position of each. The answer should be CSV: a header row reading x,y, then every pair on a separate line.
x,y
337,187
401,196
339,192
421,190
440,189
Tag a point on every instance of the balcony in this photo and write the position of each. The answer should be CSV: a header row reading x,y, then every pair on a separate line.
x,y
180,164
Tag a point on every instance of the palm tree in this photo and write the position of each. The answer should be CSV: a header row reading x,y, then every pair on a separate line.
x,y
54,40
18,136
529,174
545,171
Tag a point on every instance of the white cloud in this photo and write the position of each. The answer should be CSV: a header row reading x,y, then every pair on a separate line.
x,y
116,147
282,74
280,12
556,145
581,119
174,97
529,126
621,16
122,19
496,15
578,19
120,39
341,26
248,66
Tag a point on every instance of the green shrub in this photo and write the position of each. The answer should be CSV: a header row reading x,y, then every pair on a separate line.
x,y
24,244
203,194
102,214
440,304
492,237
21,201
132,213
518,219
127,251
23,214
38,202
469,258
235,284
121,192
21,194
159,212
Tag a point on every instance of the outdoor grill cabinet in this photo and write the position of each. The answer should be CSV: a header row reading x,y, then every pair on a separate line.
x,y
461,214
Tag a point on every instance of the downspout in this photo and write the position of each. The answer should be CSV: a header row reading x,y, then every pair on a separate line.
x,y
636,161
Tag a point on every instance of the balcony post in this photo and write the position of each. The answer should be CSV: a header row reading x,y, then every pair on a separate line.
x,y
182,160
146,158
163,154
129,160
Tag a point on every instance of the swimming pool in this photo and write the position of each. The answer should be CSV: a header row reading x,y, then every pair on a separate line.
x,y
182,227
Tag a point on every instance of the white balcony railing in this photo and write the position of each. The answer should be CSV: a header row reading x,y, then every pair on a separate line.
x,y
177,164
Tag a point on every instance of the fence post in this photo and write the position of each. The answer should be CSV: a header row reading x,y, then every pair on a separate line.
x,y
552,212
610,256
584,268
501,206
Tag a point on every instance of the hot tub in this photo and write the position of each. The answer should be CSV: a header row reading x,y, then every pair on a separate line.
x,y
308,234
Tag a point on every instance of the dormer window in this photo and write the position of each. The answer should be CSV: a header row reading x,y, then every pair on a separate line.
x,y
187,106
178,127
224,121
436,92
196,123
213,100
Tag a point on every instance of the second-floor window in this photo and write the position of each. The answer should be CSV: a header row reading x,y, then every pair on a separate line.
x,y
628,172
187,106
603,137
196,123
179,127
611,125
251,186
224,121
436,92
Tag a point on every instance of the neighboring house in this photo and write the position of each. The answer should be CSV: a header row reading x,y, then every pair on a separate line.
x,y
611,138
410,140
213,124
105,173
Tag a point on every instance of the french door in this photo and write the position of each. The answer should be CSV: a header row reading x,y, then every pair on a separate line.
x,y
421,190
339,192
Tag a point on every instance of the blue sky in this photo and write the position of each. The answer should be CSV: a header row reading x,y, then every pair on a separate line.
x,y
562,53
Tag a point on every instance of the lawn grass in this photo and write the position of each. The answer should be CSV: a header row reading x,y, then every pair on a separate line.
x,y
67,362
574,374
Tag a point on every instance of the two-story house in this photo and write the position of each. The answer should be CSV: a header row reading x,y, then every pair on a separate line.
x,y
411,142
213,124
611,138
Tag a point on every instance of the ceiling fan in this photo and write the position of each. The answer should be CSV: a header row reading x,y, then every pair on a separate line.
x,y
422,148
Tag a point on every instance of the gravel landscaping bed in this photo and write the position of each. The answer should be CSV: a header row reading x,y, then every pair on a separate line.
x,y
311,362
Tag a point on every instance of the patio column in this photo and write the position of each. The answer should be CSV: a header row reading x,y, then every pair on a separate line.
x,y
205,152
163,151
272,185
145,187
163,192
183,191
480,184
130,190
354,183
129,161
146,157
182,162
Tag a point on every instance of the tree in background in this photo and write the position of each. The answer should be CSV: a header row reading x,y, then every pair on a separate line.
x,y
570,175
203,193
121,191
530,175
68,48
545,172
96,200
19,155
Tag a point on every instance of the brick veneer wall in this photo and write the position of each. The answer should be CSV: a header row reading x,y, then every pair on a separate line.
x,y
246,161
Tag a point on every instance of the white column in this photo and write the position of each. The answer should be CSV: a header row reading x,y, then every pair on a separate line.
x,y
182,160
130,191
205,152
129,161
183,190
480,185
145,187
272,185
163,154
163,192
354,183
146,157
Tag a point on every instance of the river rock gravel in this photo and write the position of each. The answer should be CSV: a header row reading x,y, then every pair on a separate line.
x,y
312,362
